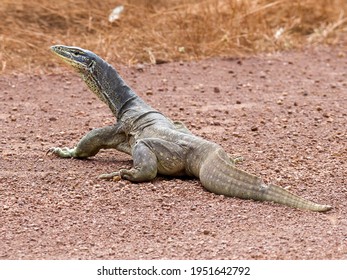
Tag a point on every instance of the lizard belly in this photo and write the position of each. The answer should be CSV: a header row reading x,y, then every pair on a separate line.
x,y
170,156
170,162
170,167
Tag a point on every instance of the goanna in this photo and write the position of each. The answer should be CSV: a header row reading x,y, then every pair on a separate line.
x,y
159,145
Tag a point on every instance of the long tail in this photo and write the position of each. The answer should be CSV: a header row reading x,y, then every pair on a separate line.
x,y
220,176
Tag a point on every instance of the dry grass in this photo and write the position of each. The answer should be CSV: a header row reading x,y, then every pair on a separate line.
x,y
160,31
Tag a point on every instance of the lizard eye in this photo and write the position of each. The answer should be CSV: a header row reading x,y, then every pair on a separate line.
x,y
76,52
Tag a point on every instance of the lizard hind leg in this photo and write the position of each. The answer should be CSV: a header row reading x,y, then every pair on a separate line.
x,y
144,169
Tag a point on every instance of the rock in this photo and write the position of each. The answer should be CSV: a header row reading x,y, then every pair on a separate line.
x,y
216,90
254,128
149,92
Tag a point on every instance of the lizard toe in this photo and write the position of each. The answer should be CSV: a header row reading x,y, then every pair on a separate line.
x,y
110,176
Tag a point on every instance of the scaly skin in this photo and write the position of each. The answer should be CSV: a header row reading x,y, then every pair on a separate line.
x,y
157,144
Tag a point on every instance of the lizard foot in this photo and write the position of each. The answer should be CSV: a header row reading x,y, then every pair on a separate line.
x,y
235,158
61,152
115,176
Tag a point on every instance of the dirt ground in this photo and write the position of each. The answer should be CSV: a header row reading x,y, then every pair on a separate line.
x,y
285,113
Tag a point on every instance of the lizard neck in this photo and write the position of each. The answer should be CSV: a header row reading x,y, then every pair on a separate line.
x,y
109,86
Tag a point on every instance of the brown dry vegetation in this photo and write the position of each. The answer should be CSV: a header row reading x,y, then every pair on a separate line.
x,y
160,31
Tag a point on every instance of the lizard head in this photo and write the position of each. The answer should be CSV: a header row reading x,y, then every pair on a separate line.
x,y
85,63
100,77
80,59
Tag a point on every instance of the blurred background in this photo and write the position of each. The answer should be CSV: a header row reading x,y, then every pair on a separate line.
x,y
135,31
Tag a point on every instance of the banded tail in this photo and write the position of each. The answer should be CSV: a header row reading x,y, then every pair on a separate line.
x,y
224,178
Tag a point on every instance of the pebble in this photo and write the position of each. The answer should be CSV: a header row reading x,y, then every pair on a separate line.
x,y
236,134
149,92
254,128
140,67
262,75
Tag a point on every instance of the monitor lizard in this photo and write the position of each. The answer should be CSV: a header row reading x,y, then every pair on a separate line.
x,y
159,145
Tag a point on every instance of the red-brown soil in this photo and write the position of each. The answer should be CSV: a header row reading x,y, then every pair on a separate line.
x,y
285,113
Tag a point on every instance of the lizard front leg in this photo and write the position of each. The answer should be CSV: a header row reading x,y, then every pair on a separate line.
x,y
100,138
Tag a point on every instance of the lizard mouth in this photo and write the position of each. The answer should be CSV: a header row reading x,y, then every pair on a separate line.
x,y
73,56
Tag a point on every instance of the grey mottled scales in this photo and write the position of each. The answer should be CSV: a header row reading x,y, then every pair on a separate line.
x,y
157,144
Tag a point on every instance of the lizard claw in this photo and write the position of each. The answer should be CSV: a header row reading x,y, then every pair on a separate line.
x,y
235,158
61,152
115,176
50,151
